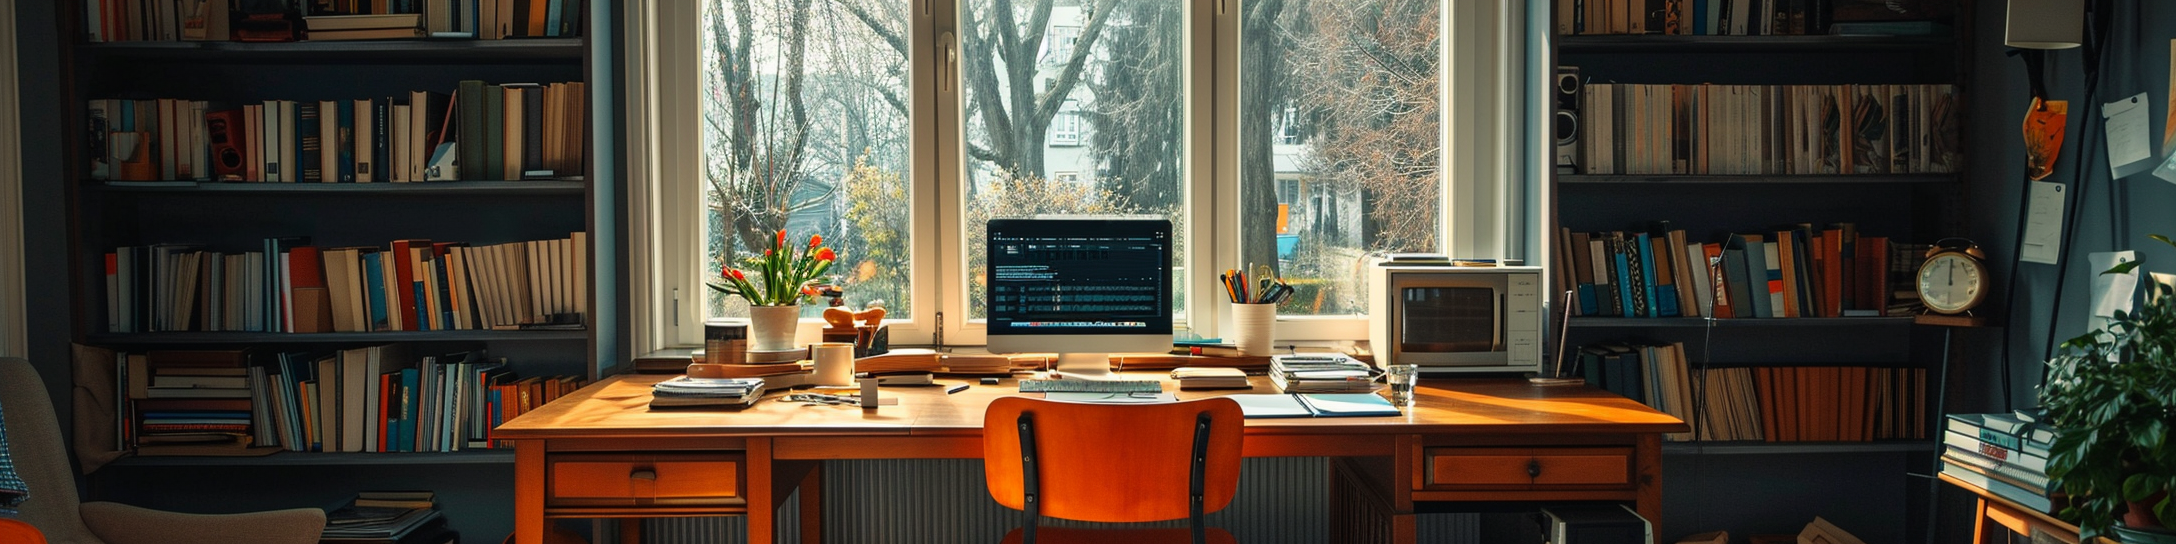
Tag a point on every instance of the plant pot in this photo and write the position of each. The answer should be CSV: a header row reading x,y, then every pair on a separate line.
x,y
2139,514
2144,536
771,328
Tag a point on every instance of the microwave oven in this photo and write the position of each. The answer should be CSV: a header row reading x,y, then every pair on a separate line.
x,y
1448,318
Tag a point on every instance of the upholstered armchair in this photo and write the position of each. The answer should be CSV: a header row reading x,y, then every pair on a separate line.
x,y
41,458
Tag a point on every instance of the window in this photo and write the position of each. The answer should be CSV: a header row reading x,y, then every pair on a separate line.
x,y
896,128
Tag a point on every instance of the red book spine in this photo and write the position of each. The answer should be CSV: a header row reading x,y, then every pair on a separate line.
x,y
405,270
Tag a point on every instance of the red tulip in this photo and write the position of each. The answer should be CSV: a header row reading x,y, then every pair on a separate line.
x,y
815,240
725,271
825,254
781,238
735,274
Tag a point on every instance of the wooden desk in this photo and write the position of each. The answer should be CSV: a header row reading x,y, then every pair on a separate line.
x,y
1996,517
601,453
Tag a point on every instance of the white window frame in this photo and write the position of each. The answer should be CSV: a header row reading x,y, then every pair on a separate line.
x,y
1069,129
1485,208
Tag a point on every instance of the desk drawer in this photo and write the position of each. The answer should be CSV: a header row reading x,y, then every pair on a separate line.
x,y
1527,468
645,479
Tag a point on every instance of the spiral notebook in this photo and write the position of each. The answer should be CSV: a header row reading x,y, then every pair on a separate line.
x,y
1314,405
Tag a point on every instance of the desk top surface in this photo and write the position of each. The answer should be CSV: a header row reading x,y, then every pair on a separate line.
x,y
619,406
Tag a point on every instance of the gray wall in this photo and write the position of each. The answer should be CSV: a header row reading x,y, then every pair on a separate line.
x,y
45,210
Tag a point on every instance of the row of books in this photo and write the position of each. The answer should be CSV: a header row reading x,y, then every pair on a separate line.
x,y
240,20
2005,454
1730,17
371,399
291,286
1775,404
1794,271
1768,129
511,131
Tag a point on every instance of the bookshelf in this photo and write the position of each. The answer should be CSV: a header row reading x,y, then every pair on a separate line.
x,y
1865,486
234,217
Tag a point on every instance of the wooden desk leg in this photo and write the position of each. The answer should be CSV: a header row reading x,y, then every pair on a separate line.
x,y
812,504
762,505
529,492
630,530
1650,480
1980,526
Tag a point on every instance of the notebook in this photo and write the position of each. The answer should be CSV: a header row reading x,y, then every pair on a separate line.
x,y
1314,405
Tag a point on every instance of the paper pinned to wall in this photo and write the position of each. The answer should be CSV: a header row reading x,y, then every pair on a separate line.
x,y
2111,292
2043,223
2130,147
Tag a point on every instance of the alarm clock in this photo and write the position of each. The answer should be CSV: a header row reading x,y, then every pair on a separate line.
x,y
1953,279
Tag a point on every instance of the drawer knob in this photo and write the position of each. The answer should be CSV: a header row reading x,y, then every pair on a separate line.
x,y
643,475
1533,468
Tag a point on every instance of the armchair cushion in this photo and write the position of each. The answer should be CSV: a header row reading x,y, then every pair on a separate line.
x,y
117,523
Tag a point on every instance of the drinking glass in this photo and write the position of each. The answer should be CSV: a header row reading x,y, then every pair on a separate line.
x,y
1401,379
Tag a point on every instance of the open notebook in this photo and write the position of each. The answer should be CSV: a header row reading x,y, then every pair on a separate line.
x,y
1314,405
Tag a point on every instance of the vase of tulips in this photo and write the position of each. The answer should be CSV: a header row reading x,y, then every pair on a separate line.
x,y
774,285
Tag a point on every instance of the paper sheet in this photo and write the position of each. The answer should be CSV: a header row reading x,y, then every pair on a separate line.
x,y
2129,135
2043,223
2111,292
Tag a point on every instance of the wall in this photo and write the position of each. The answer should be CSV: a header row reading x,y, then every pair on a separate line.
x,y
2111,214
45,213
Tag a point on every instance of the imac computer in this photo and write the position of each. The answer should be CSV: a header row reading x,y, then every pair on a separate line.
x,y
1081,287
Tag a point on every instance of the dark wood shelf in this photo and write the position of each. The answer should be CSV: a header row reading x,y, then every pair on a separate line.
x,y
299,459
213,338
447,51
432,188
1656,43
1824,179
1690,322
1794,448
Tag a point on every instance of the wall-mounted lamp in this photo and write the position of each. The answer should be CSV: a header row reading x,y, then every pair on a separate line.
x,y
2044,24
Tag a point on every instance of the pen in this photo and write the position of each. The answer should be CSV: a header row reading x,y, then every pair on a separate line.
x,y
956,389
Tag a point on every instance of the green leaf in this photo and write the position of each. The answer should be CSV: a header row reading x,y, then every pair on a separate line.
x,y
2162,239
2139,486
2122,268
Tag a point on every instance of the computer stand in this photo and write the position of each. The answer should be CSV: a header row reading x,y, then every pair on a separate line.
x,y
1083,366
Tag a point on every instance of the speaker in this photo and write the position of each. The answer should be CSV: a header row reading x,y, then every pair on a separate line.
x,y
1565,122
224,130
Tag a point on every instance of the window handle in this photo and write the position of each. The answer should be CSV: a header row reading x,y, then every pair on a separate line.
x,y
948,63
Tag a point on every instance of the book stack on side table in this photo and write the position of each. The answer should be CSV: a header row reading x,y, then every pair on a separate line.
x,y
388,517
2005,454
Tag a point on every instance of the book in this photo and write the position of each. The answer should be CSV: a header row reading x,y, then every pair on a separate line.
x,y
316,23
365,34
1193,377
1314,405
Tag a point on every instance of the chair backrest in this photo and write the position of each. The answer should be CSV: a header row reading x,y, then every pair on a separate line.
x,y
1112,462
34,443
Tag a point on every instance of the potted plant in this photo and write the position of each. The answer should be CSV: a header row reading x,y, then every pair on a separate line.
x,y
774,285
2111,397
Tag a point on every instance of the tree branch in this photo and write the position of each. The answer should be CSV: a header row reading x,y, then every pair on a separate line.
x,y
1054,97
898,43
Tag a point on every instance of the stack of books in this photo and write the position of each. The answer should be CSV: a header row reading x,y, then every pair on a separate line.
x,y
1320,373
381,26
388,517
683,391
2006,454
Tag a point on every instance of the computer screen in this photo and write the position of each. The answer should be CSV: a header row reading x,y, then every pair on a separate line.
x,y
1079,285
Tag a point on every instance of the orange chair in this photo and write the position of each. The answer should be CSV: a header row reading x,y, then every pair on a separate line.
x,y
1112,463
18,532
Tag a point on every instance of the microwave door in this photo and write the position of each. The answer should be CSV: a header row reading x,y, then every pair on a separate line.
x,y
1451,324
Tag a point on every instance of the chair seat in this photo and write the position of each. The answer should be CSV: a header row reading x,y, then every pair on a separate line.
x,y
17,532
1070,535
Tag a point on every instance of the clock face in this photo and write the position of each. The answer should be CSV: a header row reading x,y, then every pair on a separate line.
x,y
1951,282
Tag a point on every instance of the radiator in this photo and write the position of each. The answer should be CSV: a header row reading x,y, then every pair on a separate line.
x,y
1281,500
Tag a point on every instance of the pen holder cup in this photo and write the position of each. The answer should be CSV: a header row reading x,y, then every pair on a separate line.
x,y
1253,326
834,363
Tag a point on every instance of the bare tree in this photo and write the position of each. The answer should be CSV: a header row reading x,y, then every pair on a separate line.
x,y
757,173
1263,71
1366,83
1139,108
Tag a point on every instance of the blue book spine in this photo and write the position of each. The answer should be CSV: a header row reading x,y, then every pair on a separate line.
x,y
408,415
346,118
551,18
127,117
444,294
423,311
1648,282
1588,304
1699,20
1623,269
374,290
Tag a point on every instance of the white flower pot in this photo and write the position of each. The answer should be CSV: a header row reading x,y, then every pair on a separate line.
x,y
772,327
